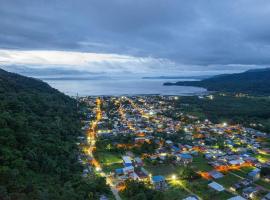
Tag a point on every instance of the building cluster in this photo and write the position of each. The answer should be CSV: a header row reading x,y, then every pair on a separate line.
x,y
178,138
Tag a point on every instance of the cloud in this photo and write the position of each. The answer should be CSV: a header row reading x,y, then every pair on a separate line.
x,y
109,63
92,62
191,35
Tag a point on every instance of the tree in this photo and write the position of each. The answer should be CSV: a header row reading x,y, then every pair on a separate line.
x,y
138,190
188,174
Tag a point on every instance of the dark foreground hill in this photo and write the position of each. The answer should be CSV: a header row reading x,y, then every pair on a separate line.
x,y
256,82
39,127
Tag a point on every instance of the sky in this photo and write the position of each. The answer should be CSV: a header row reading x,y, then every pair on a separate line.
x,y
156,37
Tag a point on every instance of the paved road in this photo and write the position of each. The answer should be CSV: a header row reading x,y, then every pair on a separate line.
x,y
115,193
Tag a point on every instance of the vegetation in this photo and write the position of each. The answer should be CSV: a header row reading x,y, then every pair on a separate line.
x,y
187,173
265,171
39,127
139,191
254,82
228,180
230,108
175,192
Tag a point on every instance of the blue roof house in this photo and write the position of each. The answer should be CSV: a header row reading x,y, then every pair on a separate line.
x,y
184,158
159,182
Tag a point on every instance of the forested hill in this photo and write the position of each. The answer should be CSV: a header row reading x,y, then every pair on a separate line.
x,y
255,82
39,127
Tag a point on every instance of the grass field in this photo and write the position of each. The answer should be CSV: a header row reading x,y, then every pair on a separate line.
x,y
200,163
107,158
228,180
200,187
243,172
175,192
263,157
111,167
166,170
263,183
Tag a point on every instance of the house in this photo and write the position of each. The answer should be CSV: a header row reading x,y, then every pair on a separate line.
x,y
169,142
235,187
254,175
159,182
236,162
249,192
191,198
85,172
184,158
127,161
246,182
140,140
142,174
103,197
175,149
215,174
133,176
214,185
119,172
138,162
266,197
128,170
238,197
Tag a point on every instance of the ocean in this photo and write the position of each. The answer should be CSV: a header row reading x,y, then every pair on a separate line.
x,y
121,86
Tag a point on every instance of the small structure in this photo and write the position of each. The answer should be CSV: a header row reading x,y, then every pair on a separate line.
x,y
119,172
236,162
249,192
254,175
128,170
235,187
127,161
215,174
266,197
175,149
191,198
142,174
140,140
169,142
238,197
159,182
103,197
138,162
214,185
184,158
246,182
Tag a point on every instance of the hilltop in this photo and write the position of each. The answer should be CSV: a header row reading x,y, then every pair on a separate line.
x,y
252,82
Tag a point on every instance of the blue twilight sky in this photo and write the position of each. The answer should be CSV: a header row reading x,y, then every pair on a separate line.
x,y
136,36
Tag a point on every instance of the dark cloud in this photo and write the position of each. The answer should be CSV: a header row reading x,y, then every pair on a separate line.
x,y
187,32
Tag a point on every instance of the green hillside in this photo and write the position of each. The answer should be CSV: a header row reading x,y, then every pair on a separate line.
x,y
256,82
39,127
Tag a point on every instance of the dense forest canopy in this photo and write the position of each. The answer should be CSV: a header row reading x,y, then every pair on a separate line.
x,y
256,82
39,127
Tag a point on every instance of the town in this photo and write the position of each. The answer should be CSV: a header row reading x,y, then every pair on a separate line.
x,y
151,140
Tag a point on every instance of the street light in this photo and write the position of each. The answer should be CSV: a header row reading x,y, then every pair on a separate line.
x,y
173,177
98,169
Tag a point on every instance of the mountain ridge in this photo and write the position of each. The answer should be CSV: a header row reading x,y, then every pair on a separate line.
x,y
252,82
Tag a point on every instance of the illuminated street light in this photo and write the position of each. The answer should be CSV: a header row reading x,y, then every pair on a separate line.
x,y
225,124
98,169
173,177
